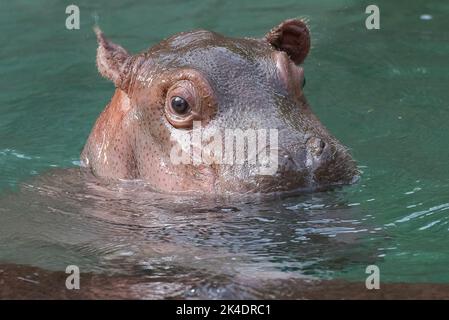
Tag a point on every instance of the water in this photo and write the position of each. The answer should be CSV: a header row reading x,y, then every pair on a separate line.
x,y
383,93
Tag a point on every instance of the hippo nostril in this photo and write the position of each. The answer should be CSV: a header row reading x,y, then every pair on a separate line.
x,y
322,145
319,147
316,146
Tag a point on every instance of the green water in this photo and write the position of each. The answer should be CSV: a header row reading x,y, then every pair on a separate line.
x,y
383,93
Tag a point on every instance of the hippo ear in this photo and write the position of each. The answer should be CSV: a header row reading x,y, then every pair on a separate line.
x,y
291,36
113,61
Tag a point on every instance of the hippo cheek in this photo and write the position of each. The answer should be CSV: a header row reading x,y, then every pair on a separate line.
x,y
182,177
192,179
253,178
283,181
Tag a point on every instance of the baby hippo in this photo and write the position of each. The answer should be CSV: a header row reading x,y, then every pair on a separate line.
x,y
201,112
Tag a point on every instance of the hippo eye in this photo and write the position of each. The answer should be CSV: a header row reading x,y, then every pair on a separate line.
x,y
182,104
187,100
179,105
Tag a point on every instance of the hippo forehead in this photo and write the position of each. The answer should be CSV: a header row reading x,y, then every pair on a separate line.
x,y
221,59
241,71
200,42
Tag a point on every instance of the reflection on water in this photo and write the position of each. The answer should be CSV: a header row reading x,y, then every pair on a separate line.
x,y
216,243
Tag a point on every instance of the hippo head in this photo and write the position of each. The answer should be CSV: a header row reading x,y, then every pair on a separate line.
x,y
201,112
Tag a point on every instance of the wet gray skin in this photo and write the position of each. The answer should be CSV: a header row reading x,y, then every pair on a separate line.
x,y
227,84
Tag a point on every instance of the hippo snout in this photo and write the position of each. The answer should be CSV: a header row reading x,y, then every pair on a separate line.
x,y
317,163
330,163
